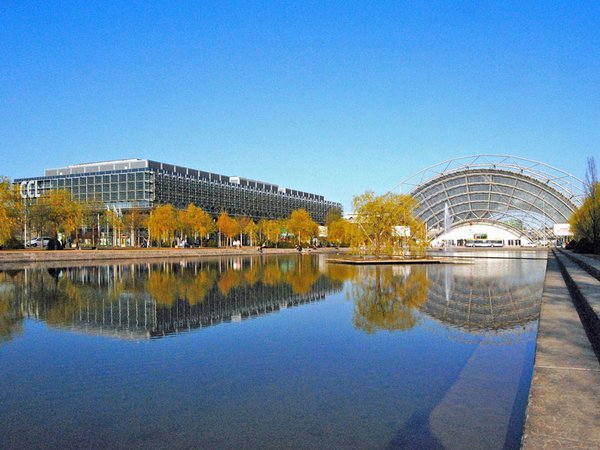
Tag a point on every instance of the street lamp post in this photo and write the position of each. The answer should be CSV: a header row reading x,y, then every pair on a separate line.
x,y
26,217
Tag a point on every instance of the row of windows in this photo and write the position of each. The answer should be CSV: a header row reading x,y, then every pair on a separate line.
x,y
112,196
160,187
105,179
215,197
116,187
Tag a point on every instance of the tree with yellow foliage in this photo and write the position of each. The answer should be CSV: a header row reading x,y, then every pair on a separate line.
x,y
93,214
250,229
585,221
339,231
332,215
228,226
302,225
194,221
202,223
133,220
183,225
386,225
11,210
56,212
270,230
162,223
115,220
242,223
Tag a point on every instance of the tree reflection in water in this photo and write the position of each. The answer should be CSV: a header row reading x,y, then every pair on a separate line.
x,y
385,297
164,297
158,297
303,275
11,318
229,280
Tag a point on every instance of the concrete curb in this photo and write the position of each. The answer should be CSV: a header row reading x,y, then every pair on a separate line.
x,y
583,261
587,306
39,256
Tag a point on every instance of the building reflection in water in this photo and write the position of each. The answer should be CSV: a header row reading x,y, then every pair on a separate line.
x,y
162,298
489,295
156,299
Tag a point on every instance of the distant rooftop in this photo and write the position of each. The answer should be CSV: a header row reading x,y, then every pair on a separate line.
x,y
114,161
137,163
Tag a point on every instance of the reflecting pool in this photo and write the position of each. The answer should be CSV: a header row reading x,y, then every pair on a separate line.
x,y
268,352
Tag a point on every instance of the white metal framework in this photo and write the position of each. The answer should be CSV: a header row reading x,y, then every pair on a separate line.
x,y
500,189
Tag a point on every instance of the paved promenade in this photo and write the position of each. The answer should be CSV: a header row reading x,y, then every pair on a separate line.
x,y
126,254
564,400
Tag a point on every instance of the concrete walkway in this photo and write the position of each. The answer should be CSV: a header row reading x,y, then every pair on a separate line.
x,y
38,256
564,400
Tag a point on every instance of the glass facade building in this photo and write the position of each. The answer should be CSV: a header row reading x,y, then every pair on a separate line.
x,y
142,184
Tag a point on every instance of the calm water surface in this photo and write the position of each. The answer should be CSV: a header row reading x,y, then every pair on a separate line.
x,y
268,352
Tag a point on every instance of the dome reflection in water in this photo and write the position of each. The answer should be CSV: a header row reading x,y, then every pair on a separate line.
x,y
337,357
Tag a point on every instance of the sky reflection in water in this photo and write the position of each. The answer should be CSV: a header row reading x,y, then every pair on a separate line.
x,y
339,356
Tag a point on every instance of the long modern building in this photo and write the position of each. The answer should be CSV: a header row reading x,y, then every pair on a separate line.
x,y
141,184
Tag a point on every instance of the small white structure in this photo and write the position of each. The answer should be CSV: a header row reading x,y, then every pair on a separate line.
x,y
322,231
562,230
462,234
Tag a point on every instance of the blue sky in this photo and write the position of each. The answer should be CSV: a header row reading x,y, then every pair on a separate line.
x,y
328,97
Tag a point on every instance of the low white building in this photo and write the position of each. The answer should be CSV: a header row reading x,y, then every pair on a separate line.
x,y
462,234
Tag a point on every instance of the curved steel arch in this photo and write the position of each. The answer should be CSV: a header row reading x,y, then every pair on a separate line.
x,y
494,188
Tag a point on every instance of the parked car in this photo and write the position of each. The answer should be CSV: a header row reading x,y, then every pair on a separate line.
x,y
39,242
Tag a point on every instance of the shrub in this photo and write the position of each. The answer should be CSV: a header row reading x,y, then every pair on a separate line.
x,y
55,244
211,243
286,244
13,244
584,245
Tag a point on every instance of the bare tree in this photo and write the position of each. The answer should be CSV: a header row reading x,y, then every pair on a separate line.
x,y
593,197
591,176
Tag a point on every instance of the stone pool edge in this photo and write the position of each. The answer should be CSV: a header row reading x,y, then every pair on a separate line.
x,y
563,405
